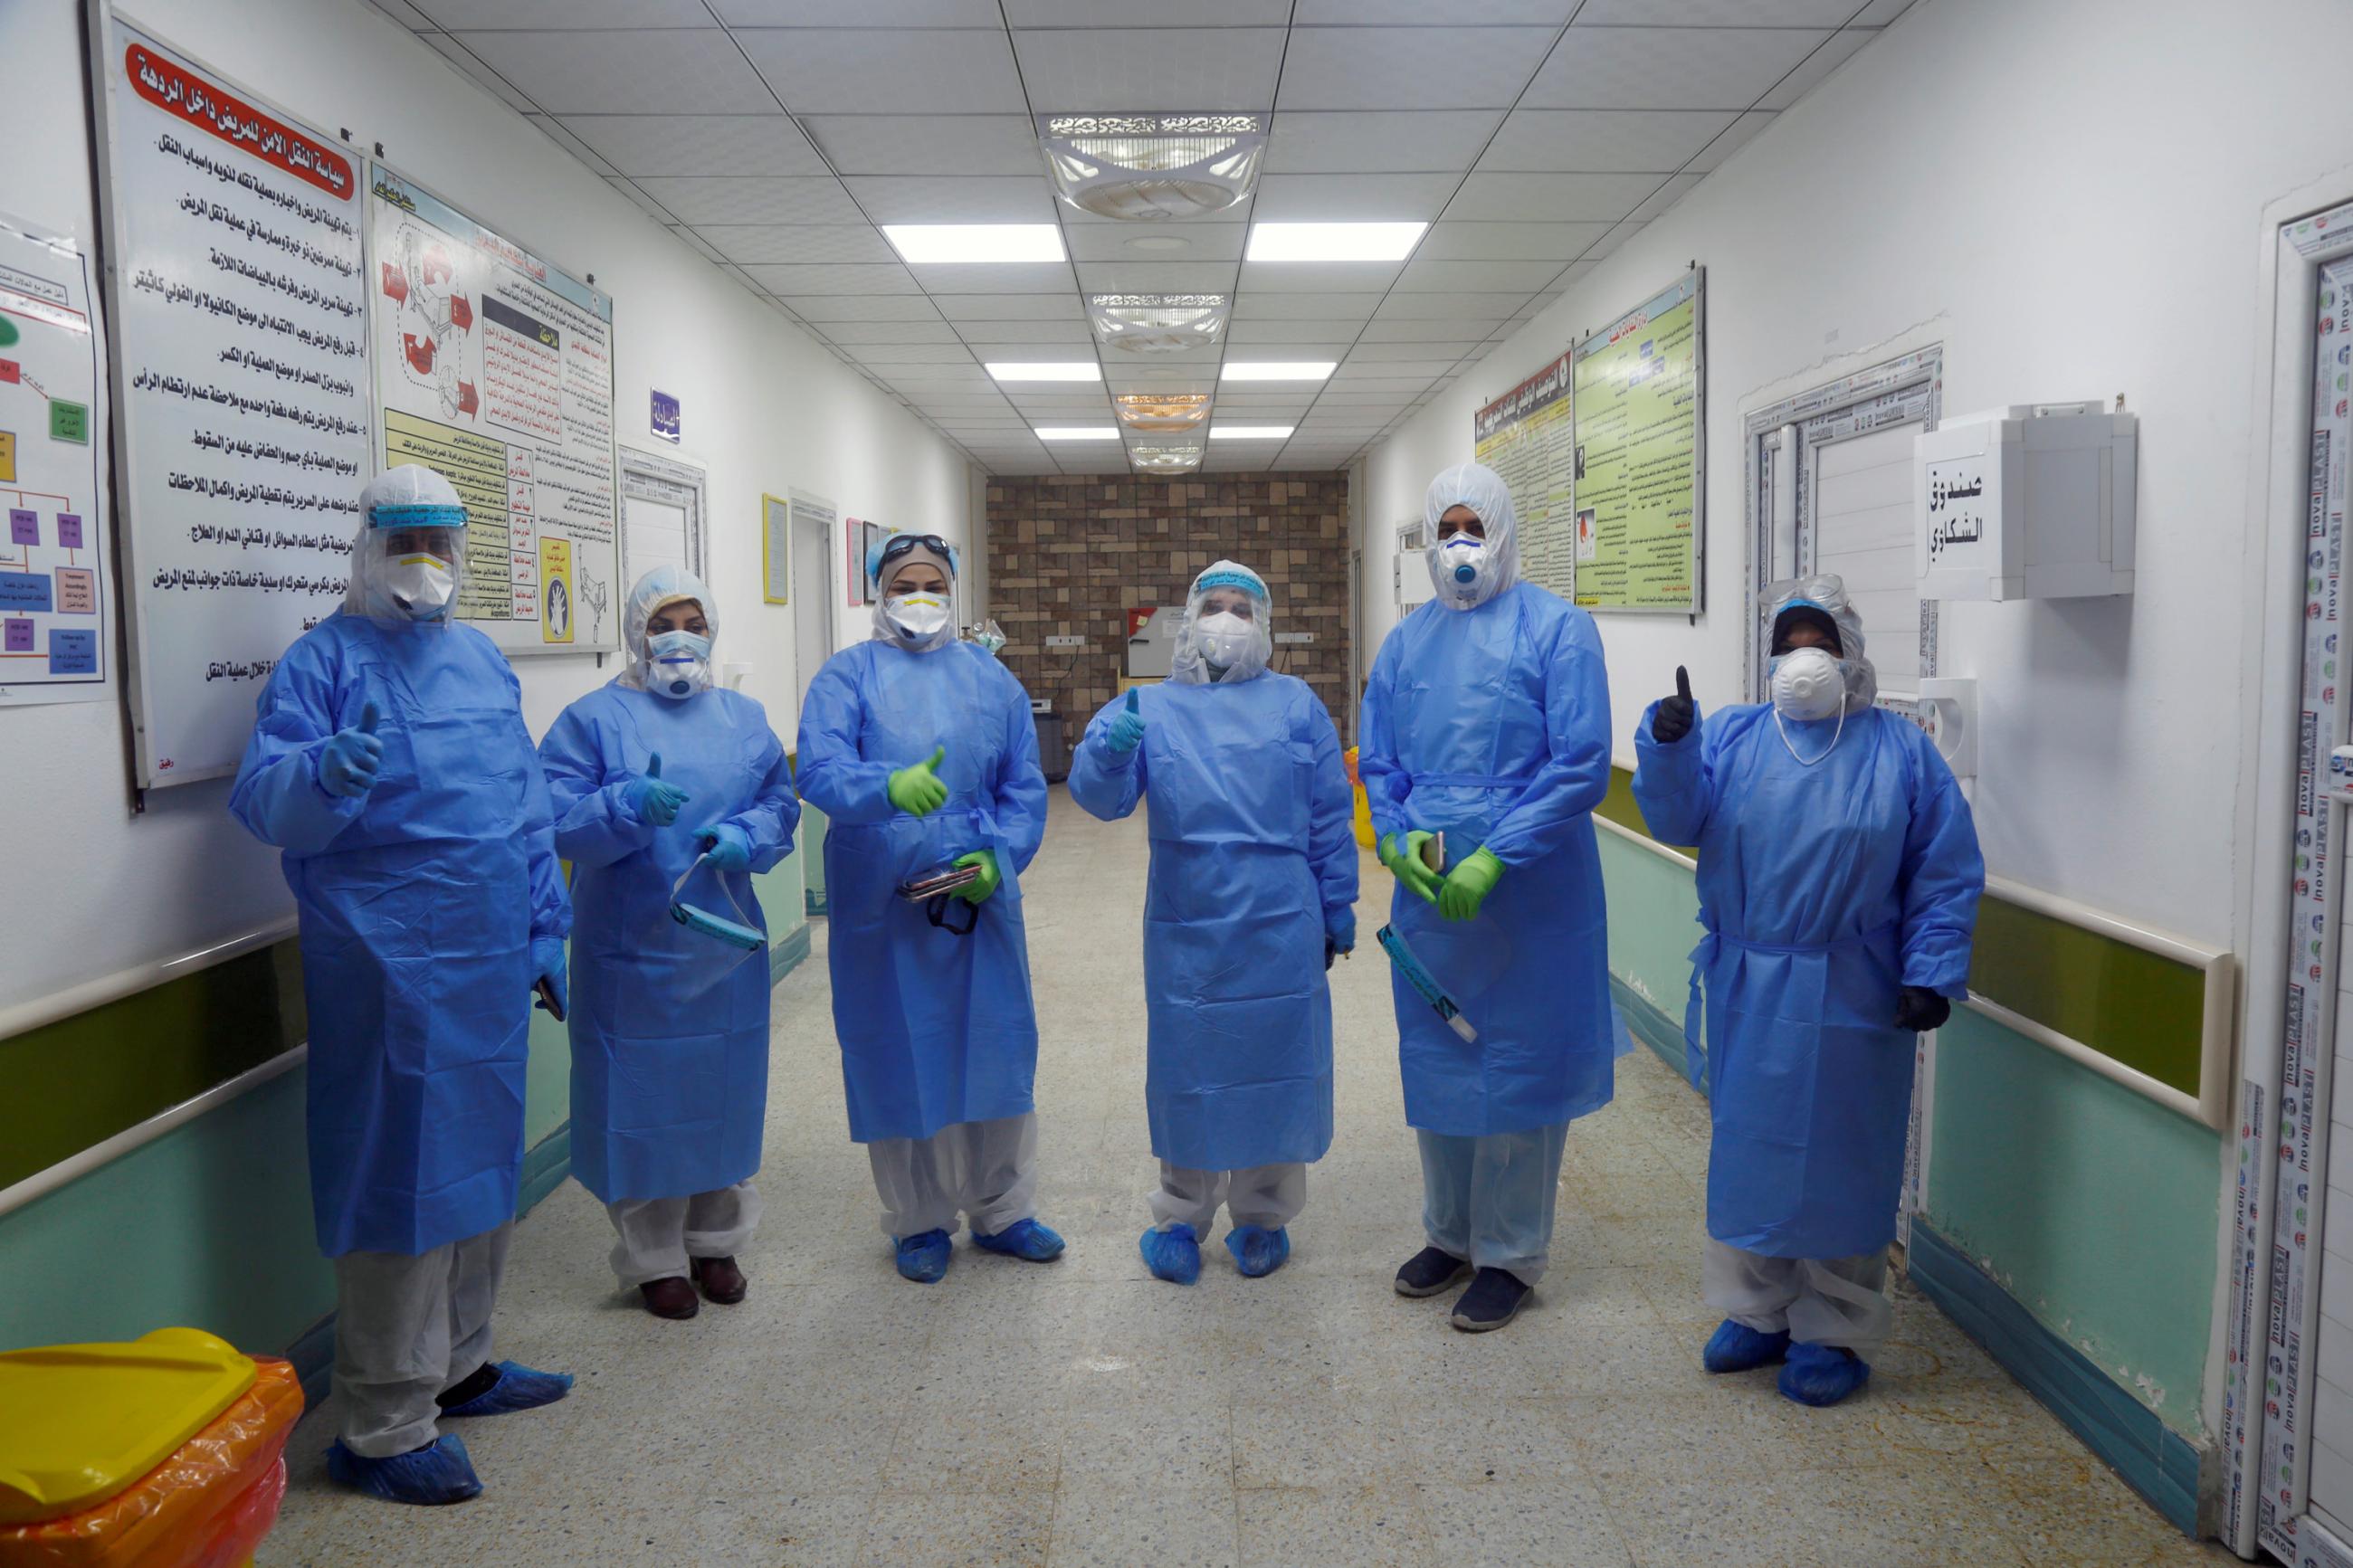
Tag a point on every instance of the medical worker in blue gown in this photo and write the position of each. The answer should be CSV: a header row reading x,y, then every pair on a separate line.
x,y
921,750
1252,893
1487,721
1838,877
655,774
389,762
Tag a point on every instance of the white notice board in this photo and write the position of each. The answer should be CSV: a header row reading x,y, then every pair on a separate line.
x,y
495,369
238,311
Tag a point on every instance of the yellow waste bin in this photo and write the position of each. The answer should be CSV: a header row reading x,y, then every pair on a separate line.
x,y
168,1452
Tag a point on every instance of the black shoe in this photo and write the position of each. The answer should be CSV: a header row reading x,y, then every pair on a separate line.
x,y
1429,1272
1495,1298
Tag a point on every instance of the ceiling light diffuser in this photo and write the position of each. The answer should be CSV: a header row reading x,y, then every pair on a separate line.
x,y
920,244
1150,167
1278,370
1333,241
1045,370
1173,458
1158,324
1249,432
1077,432
1162,410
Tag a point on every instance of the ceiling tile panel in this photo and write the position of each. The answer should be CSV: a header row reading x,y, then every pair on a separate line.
x,y
1334,306
1147,13
474,70
832,308
1260,333
697,143
1417,349
1435,141
568,16
1466,241
652,208
1388,331
1409,68
1353,198
833,278
1667,67
885,70
1156,276
1476,277
868,13
855,334
1158,242
1319,277
1558,198
626,71
1601,140
1082,70
1665,196
1072,334
947,199
1714,13
927,144
704,200
800,242
1738,135
997,277
1012,307
1448,307
1419,372
1809,73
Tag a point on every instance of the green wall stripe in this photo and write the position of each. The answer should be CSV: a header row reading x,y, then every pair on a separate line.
x,y
2132,1006
84,1078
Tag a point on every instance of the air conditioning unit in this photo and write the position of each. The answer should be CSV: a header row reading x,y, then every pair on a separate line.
x,y
1149,167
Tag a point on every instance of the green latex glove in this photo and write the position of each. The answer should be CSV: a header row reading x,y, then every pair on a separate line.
x,y
917,791
990,878
1467,886
1405,863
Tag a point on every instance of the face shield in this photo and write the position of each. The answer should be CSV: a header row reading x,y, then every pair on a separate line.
x,y
1228,633
1470,565
408,561
668,654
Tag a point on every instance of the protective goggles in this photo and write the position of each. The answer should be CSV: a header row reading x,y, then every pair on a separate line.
x,y
899,544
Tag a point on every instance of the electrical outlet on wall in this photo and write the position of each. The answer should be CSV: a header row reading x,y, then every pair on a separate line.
x,y
1066,642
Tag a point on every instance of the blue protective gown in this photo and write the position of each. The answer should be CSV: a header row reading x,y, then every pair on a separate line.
x,y
1492,725
419,902
1252,863
669,1027
1825,890
935,1028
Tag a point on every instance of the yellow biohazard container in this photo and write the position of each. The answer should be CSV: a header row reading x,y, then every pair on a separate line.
x,y
164,1453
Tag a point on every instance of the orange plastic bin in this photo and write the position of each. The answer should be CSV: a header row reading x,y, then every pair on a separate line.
x,y
166,1453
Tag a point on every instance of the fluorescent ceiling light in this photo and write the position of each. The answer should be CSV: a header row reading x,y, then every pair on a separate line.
x,y
1045,370
1249,432
1278,370
1332,241
1078,432
919,243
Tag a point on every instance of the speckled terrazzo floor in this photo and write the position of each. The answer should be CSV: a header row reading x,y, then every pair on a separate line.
x,y
1085,1413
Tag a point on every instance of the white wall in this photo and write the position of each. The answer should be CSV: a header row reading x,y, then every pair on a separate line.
x,y
94,889
2067,194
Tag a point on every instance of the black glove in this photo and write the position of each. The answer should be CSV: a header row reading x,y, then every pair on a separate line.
x,y
1920,1009
1676,714
1331,952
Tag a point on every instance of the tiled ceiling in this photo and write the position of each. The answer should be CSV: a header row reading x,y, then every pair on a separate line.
x,y
1534,136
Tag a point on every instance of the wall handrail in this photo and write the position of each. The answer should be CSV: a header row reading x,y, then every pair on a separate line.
x,y
23,1018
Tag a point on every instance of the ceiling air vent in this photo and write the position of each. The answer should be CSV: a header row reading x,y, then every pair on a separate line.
x,y
1148,167
1158,324
1169,459
1163,411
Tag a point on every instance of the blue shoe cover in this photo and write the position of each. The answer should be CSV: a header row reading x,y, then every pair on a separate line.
x,y
1822,1374
1737,1347
438,1473
1257,1250
924,1258
518,1388
1025,1239
1173,1255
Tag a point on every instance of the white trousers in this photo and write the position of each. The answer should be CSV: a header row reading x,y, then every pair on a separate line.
x,y
1492,1199
1268,1195
405,1328
987,1171
1821,1301
659,1234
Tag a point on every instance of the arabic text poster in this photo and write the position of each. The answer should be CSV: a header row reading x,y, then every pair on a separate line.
x,y
495,369
1637,458
56,587
1529,439
239,323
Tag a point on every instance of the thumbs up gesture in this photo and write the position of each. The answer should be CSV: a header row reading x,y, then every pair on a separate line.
x,y
654,801
348,763
1676,715
1126,732
917,791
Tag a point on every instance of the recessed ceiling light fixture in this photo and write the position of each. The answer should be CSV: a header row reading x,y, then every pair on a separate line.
x,y
925,244
1162,410
1249,432
1278,370
1147,167
1333,241
1158,324
1078,432
1045,370
1172,458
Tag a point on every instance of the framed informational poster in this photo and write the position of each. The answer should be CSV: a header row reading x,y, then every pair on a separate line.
x,y
1528,437
237,296
494,368
1639,463
776,549
56,577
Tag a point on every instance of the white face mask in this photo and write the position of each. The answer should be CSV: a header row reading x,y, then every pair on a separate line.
x,y
1462,564
1809,683
680,665
1225,639
420,585
917,617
